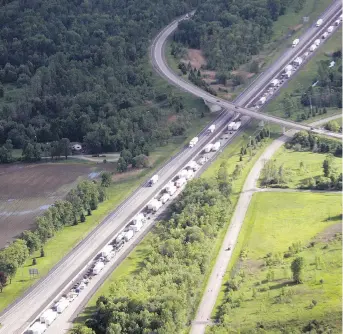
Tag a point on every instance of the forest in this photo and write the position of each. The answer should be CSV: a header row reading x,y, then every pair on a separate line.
x,y
231,32
79,70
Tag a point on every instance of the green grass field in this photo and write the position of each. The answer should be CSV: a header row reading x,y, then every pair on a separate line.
x,y
312,165
131,263
65,240
304,78
274,221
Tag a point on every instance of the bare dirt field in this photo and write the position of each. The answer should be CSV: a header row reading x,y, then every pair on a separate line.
x,y
26,190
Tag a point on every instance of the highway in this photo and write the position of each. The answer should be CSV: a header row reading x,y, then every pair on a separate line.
x,y
161,66
18,316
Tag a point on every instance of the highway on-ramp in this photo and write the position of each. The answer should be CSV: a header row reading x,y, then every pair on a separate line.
x,y
160,64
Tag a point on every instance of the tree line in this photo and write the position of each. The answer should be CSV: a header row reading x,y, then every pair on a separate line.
x,y
79,203
230,32
81,72
163,294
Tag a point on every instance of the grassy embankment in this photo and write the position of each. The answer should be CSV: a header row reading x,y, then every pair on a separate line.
x,y
56,248
312,165
132,262
305,78
274,221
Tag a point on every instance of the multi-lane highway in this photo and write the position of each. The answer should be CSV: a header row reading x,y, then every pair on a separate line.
x,y
160,64
20,314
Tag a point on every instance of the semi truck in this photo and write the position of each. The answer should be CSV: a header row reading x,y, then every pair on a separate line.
x,y
128,235
230,126
208,148
106,251
153,180
216,146
139,217
189,174
212,128
288,68
180,182
137,226
165,198
330,29
237,126
171,190
62,305
37,328
288,74
274,83
120,237
313,47
193,166
154,205
193,141
48,316
317,42
297,61
97,268
319,22
325,35
262,100
295,42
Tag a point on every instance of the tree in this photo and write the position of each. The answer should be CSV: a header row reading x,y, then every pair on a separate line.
x,y
3,280
122,165
328,166
80,329
65,147
140,161
332,126
106,179
297,267
42,253
82,217
32,240
34,261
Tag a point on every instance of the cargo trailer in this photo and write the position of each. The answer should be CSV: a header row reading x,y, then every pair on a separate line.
x,y
216,146
154,205
128,235
313,47
208,148
237,126
230,126
62,305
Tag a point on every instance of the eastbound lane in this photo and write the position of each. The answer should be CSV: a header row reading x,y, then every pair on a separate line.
x,y
160,64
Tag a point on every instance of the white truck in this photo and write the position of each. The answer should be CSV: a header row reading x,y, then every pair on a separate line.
x,y
261,101
128,235
208,148
193,141
48,316
153,180
189,175
98,267
180,182
230,126
337,22
325,35
330,29
106,251
275,83
62,305
165,198
193,165
120,237
171,190
295,42
182,174
216,146
37,328
313,47
237,126
297,61
288,68
288,74
317,42
137,226
212,128
319,22
140,217
154,205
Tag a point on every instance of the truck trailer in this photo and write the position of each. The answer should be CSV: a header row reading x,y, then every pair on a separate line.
x,y
153,180
106,250
193,141
319,22
330,29
317,42
297,61
180,182
140,217
261,101
48,316
237,126
216,146
137,226
288,68
154,205
171,190
165,198
128,235
313,47
98,267
274,83
230,126
208,148
189,174
295,42
62,305
193,166
37,328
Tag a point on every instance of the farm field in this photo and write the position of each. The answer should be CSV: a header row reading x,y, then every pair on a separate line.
x,y
275,304
132,262
301,166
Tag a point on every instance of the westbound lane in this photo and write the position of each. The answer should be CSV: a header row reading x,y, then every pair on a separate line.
x,y
160,64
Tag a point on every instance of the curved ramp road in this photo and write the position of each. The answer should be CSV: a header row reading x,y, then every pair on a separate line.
x,y
160,64
215,281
